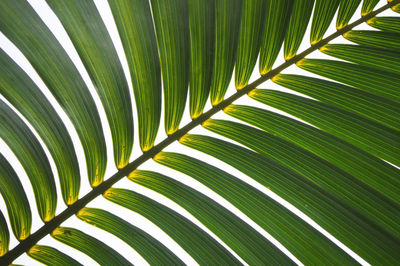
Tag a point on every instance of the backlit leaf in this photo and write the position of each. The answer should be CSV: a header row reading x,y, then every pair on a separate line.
x,y
135,26
32,157
227,18
171,23
20,23
88,33
19,212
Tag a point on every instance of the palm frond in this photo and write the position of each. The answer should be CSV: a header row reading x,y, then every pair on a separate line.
x,y
328,146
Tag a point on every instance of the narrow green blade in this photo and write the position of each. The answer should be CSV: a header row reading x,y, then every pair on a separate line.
x,y
379,140
346,11
32,157
276,24
302,240
202,41
20,23
368,6
381,39
4,235
19,212
361,77
365,55
135,26
171,21
201,246
299,19
251,33
51,256
233,231
148,247
391,24
228,15
323,15
360,164
333,215
329,177
89,35
89,245
379,109
24,95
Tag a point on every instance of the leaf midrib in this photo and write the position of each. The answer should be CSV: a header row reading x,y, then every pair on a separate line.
x,y
48,227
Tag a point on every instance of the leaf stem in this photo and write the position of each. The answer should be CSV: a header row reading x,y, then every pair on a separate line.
x,y
48,227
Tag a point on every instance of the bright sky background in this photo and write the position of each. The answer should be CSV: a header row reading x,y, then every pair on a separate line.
x,y
55,26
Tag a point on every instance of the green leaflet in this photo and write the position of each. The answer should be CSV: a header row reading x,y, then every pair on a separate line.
x,y
368,202
332,214
24,95
251,33
135,26
276,24
202,41
379,140
4,235
368,6
347,9
93,43
385,23
148,247
316,203
360,164
201,246
89,245
51,256
395,8
303,241
379,109
227,18
19,212
365,55
171,23
32,157
297,27
20,23
233,231
361,77
381,39
323,15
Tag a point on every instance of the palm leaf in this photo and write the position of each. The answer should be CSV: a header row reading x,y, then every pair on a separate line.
x,y
316,164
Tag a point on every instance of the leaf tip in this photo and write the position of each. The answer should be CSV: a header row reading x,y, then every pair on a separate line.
x,y
346,34
276,78
184,138
158,157
371,21
196,115
171,131
241,86
56,232
132,175
81,213
215,102
228,108
314,41
252,93
301,62
121,165
206,123
33,250
324,48
109,193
